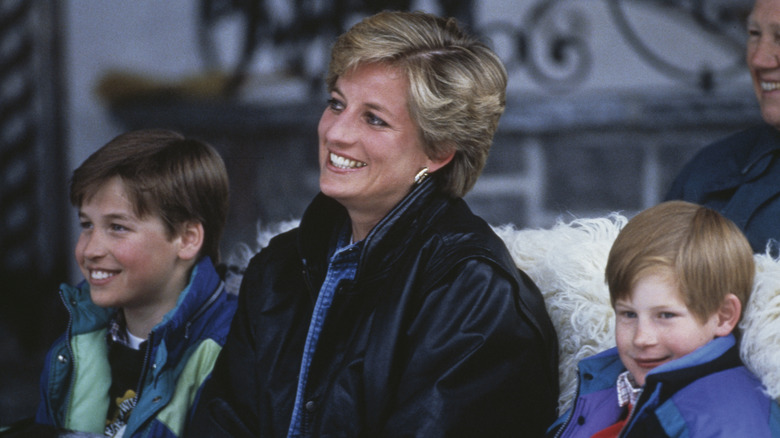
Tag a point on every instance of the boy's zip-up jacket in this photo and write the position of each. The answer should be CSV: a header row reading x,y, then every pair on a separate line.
x,y
707,393
181,351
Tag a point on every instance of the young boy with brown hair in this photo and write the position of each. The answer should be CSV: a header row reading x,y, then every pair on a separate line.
x,y
679,275
152,314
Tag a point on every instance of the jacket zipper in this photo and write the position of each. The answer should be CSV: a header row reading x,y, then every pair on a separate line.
x,y
203,309
573,410
631,416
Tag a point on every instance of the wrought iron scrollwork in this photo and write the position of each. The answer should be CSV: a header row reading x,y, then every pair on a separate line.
x,y
300,26
723,20
550,42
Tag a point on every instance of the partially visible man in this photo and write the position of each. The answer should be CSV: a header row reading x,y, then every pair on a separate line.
x,y
740,175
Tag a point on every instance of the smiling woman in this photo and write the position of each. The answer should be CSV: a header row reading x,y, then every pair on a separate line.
x,y
392,310
377,146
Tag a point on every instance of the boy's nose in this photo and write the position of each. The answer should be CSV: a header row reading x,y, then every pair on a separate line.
x,y
644,335
92,245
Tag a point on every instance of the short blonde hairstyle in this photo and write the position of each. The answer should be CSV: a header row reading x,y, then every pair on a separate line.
x,y
707,254
457,84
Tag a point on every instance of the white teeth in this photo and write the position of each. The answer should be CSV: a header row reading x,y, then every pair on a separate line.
x,y
770,86
345,163
100,275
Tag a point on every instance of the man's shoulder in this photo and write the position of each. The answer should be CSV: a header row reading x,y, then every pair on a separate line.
x,y
733,148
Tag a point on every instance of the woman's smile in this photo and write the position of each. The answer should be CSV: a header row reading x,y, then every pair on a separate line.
x,y
344,162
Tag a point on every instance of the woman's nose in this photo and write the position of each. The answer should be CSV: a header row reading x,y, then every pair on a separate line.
x,y
339,129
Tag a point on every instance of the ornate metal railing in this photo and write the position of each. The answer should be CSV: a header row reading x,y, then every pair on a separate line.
x,y
549,41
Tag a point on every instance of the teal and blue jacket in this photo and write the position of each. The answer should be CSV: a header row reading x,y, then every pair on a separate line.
x,y
179,358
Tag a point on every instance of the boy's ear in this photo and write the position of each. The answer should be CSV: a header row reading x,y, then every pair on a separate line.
x,y
728,315
191,240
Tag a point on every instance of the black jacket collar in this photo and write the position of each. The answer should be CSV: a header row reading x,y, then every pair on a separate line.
x,y
324,217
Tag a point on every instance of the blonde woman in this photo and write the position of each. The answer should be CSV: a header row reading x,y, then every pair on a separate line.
x,y
392,310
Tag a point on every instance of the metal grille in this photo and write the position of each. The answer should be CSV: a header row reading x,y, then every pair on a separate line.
x,y
17,147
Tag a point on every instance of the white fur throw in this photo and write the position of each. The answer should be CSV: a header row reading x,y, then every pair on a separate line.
x,y
567,263
760,347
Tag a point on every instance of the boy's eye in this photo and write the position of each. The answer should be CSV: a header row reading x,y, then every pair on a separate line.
x,y
666,315
627,314
85,225
117,227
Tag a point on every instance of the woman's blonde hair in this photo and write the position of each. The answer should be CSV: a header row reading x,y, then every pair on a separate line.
x,y
707,255
457,85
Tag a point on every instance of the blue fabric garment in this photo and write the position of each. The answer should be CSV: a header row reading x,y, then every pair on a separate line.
x,y
182,350
343,266
705,393
738,176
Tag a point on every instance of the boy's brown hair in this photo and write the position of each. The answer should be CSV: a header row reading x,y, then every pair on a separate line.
x,y
166,174
707,254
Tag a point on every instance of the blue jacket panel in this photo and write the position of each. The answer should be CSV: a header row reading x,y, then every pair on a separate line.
x,y
705,393
739,177
181,353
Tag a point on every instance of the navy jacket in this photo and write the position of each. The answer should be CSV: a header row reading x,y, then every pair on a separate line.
x,y
739,177
707,393
439,334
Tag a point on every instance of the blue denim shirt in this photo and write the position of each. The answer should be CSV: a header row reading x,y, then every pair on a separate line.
x,y
343,265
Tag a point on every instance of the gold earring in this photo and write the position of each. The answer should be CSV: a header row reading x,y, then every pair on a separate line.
x,y
421,175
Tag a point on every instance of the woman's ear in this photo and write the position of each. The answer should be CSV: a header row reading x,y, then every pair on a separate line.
x,y
728,315
437,163
190,240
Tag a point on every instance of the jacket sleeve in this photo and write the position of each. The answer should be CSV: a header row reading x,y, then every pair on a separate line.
x,y
226,407
49,402
491,367
42,413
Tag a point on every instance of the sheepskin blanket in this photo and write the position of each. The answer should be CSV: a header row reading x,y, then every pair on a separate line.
x,y
567,263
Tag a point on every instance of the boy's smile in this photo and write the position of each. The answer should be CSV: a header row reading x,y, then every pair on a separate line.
x,y
654,326
129,262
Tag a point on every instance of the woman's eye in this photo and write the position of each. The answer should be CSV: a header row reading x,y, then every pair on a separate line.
x,y
374,120
117,227
85,225
335,104
627,314
666,315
